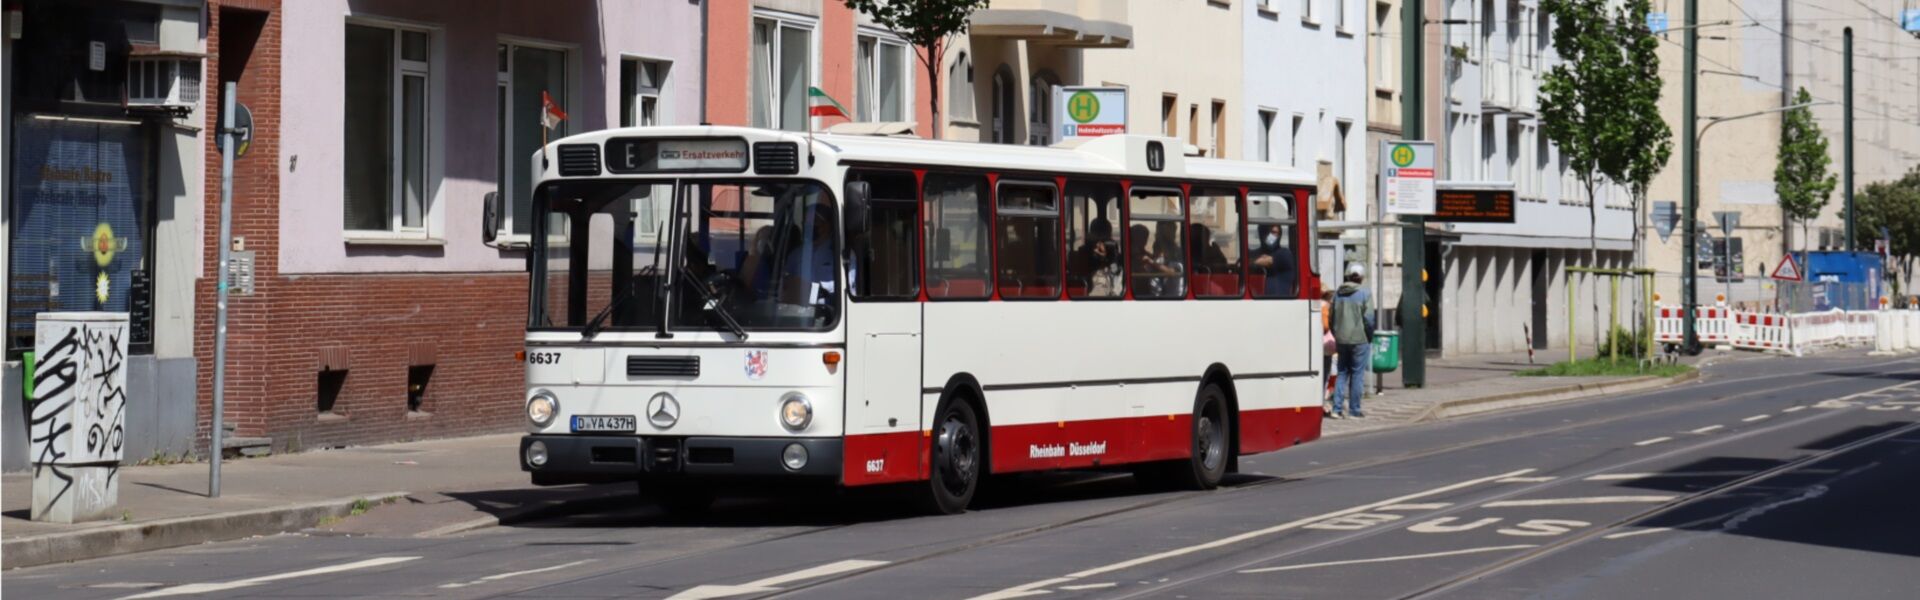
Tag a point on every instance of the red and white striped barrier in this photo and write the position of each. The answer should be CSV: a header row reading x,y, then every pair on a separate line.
x,y
1889,331
1761,331
1713,324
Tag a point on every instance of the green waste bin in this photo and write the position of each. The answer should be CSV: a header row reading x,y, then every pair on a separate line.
x,y
1386,351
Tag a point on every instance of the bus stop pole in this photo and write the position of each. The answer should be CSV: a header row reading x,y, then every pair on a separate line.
x,y
215,445
1413,242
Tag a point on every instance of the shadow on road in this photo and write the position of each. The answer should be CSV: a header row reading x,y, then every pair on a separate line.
x,y
621,506
1862,500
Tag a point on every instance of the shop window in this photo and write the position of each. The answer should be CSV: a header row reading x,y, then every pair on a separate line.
x,y
1215,237
958,251
1094,258
1272,268
1156,249
884,263
1029,243
81,224
387,146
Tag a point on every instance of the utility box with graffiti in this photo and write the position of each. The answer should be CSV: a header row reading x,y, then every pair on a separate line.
x,y
77,415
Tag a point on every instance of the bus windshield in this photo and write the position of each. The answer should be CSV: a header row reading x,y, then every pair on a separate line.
x,y
758,255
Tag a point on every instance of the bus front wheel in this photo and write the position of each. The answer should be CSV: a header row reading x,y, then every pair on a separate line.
x,y
956,458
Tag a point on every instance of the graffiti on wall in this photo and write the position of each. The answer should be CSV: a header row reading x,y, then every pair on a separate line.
x,y
78,414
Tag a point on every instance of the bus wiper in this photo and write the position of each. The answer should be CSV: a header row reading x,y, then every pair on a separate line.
x,y
711,305
594,325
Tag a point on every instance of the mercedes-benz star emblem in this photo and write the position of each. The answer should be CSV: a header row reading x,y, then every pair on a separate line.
x,y
663,411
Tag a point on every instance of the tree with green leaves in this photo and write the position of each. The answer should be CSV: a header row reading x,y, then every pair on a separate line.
x,y
927,24
1895,207
1600,104
1800,175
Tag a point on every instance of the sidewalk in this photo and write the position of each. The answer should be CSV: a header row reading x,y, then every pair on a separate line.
x,y
442,487
445,485
1459,386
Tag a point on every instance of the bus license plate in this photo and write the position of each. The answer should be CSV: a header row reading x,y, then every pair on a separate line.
x,y
603,423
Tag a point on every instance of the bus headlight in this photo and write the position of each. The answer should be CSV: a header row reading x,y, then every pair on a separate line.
x,y
796,411
542,408
795,457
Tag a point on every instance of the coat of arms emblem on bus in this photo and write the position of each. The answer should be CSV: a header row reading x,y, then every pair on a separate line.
x,y
756,364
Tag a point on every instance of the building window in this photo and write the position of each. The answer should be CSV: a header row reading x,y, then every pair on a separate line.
x,y
1169,120
960,101
386,141
1266,135
1306,11
782,72
1003,106
641,82
523,74
1040,111
1193,125
1340,14
1295,151
1382,54
1219,129
1340,134
883,78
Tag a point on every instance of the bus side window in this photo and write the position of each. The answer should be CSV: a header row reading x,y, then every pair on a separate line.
x,y
884,263
1272,271
958,260
1094,257
1156,246
1029,242
1215,241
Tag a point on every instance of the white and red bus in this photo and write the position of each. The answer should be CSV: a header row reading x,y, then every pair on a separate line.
x,y
712,305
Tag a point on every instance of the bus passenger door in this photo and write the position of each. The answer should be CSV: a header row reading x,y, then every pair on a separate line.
x,y
883,438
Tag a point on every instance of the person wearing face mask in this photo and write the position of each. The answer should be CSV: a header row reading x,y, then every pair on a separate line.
x,y
1275,262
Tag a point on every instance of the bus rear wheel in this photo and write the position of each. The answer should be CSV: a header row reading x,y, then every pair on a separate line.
x,y
1207,463
956,459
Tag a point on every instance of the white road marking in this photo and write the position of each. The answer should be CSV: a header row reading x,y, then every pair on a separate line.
x,y
205,588
771,584
1425,506
450,586
1707,429
1089,586
1542,527
1756,418
1527,479
1651,441
1440,525
1628,534
1031,589
1391,558
1573,501
1669,475
1794,409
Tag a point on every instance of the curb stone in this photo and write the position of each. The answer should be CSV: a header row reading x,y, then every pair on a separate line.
x,y
181,531
1472,406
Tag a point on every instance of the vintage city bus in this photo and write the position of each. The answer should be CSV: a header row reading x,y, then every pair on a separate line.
x,y
717,305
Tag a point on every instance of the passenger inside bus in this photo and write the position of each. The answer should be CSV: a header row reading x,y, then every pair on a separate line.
x,y
1096,263
1273,262
1156,274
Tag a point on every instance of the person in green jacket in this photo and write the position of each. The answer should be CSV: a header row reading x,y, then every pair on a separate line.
x,y
1352,332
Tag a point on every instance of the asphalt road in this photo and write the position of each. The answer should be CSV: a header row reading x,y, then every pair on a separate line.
x,y
1773,478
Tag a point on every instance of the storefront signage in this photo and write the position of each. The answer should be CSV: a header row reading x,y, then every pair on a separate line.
x,y
1474,206
1084,111
656,155
1406,177
79,204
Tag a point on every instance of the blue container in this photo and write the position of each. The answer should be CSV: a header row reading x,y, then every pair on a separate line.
x,y
1846,280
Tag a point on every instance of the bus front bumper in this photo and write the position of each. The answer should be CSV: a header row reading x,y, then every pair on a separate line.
x,y
591,458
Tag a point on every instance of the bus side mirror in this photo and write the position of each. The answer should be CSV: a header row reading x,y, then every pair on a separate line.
x,y
859,201
490,218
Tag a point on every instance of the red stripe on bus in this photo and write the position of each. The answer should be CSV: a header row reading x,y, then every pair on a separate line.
x,y
903,456
884,458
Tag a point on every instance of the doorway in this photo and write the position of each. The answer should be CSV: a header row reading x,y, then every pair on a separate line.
x,y
1541,285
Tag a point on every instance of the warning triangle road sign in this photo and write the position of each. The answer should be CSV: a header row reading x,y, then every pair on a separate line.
x,y
1788,270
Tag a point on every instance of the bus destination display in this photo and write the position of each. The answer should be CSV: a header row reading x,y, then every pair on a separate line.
x,y
657,155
